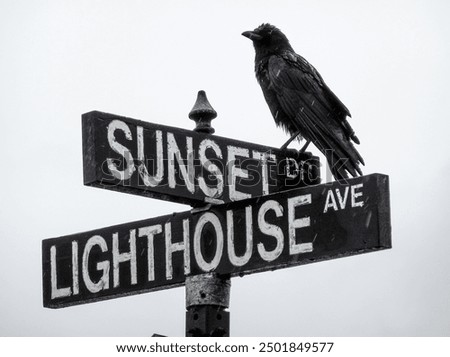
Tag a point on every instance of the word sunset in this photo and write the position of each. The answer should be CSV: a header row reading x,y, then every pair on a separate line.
x,y
184,166
275,231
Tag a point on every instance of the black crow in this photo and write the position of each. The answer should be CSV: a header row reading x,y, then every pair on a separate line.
x,y
301,103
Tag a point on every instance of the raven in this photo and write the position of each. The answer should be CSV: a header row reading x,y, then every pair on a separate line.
x,y
301,103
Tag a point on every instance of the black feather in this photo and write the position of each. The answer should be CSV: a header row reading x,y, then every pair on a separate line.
x,y
299,100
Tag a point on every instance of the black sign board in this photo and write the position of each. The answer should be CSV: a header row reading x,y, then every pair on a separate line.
x,y
185,166
285,229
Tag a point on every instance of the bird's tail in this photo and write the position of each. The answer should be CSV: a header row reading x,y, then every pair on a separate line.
x,y
342,156
343,162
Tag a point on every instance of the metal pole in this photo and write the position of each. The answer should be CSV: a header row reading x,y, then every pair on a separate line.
x,y
207,298
207,295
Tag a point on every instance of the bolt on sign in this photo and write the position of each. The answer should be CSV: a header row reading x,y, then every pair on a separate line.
x,y
185,166
289,228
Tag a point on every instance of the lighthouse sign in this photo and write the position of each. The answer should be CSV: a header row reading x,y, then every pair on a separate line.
x,y
289,228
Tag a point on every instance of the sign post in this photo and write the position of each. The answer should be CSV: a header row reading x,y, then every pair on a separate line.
x,y
286,229
185,166
254,209
207,295
207,298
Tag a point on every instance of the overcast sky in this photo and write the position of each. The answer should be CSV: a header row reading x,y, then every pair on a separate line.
x,y
386,60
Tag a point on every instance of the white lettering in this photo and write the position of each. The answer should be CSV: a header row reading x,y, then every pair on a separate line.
x,y
55,291
234,172
75,283
124,257
187,252
294,223
234,259
150,232
156,179
120,149
271,230
103,283
263,157
355,195
217,191
342,201
187,171
292,168
330,202
174,247
208,217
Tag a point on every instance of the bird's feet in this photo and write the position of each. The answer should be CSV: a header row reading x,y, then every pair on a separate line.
x,y
285,145
304,147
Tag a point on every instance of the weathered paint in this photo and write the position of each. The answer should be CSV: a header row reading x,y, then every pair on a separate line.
x,y
234,258
336,200
271,232
185,166
150,180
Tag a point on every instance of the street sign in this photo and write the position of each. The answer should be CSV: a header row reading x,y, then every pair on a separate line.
x,y
285,229
185,166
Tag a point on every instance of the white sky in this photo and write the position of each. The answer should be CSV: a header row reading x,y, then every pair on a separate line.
x,y
386,60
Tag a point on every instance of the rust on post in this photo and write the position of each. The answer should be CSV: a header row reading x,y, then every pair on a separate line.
x,y
207,289
207,298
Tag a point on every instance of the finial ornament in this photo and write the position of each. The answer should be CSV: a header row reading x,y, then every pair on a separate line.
x,y
202,113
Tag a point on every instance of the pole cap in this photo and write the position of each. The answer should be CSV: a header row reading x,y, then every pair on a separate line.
x,y
202,113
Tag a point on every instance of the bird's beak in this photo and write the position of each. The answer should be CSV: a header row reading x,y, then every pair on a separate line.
x,y
252,36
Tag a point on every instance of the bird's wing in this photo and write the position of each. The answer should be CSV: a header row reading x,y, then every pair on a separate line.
x,y
305,98
290,71
316,81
